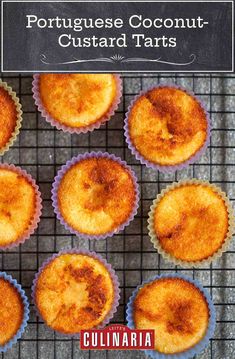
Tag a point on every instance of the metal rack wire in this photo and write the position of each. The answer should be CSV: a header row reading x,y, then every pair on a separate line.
x,y
41,150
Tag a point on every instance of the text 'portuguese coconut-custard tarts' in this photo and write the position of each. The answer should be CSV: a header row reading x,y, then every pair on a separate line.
x,y
167,128
75,290
20,206
14,311
179,310
95,195
191,223
10,117
77,103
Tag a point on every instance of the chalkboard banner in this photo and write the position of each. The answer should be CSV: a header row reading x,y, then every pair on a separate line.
x,y
136,36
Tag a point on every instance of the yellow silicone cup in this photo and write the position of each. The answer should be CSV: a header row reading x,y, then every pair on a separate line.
x,y
16,131
167,256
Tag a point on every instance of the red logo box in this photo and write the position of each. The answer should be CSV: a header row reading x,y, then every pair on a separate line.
x,y
116,336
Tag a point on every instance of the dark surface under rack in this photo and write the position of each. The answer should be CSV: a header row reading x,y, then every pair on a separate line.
x,y
41,150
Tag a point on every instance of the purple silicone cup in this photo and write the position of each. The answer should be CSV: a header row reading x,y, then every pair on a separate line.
x,y
196,349
170,168
38,206
18,335
85,129
112,273
60,175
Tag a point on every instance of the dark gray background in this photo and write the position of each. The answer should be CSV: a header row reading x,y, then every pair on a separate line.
x,y
212,45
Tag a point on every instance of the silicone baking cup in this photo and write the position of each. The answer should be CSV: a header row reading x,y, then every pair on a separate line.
x,y
21,330
38,206
60,175
168,257
112,273
18,106
85,129
169,168
211,325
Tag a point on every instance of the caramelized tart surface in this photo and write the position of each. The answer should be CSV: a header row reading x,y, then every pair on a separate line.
x,y
167,126
8,117
17,206
77,100
96,195
74,292
176,310
11,311
191,222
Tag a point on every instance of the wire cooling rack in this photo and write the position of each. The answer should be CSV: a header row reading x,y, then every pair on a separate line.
x,y
41,150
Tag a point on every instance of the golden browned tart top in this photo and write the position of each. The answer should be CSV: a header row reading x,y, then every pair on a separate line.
x,y
191,222
177,311
11,311
167,126
17,205
77,100
74,292
96,195
8,117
